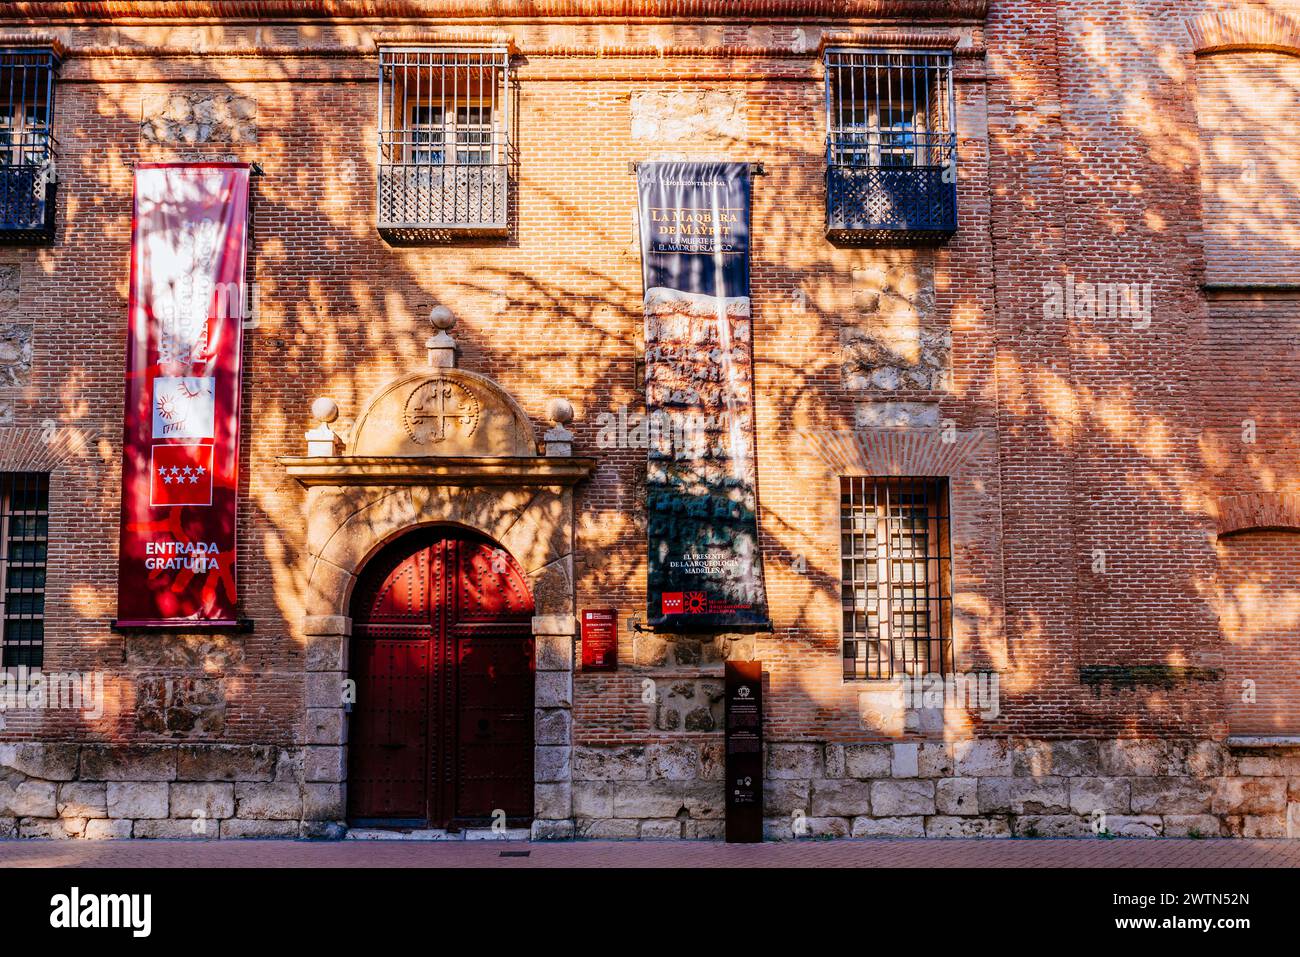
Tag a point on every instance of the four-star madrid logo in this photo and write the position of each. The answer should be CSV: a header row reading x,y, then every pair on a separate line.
x,y
180,475
684,603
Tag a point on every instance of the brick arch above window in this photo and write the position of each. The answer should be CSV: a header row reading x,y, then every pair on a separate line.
x,y
910,452
41,449
1257,511
1254,29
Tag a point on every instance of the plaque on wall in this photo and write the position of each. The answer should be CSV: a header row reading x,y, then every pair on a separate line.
x,y
600,639
743,732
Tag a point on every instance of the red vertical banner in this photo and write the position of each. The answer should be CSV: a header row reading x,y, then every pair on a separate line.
x,y
180,451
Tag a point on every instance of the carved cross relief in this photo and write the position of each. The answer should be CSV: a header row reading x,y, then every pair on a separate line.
x,y
439,409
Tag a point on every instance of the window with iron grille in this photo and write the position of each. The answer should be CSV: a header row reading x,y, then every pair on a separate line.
x,y
27,181
896,576
890,146
444,142
24,523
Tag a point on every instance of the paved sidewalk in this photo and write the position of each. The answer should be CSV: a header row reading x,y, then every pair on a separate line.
x,y
1133,853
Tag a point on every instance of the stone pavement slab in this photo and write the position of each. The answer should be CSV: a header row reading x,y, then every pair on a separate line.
x,y
1044,853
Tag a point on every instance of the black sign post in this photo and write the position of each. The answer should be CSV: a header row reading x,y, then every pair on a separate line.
x,y
744,744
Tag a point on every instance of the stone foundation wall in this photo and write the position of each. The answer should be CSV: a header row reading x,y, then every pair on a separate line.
x,y
664,791
200,791
972,788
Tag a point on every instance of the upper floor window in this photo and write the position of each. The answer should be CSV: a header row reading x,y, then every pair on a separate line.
x,y
24,524
896,587
459,137
27,180
890,146
444,142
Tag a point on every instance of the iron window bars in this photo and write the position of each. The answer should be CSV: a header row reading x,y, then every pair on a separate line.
x,y
891,148
24,526
896,576
444,142
27,148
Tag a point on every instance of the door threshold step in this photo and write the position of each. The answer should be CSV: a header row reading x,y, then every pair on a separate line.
x,y
436,834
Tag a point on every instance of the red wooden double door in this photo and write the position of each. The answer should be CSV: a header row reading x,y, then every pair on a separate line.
x,y
441,733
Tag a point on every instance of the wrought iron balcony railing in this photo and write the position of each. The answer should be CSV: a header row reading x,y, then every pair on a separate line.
x,y
422,200
889,205
26,204
444,143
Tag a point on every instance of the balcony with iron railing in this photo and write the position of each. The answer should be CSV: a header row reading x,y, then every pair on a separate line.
x,y
444,144
891,187
28,183
891,152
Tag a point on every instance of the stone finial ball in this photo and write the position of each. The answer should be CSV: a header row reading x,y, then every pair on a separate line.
x,y
442,318
560,410
324,409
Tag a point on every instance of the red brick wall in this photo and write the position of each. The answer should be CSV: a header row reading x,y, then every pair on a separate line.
x,y
1078,161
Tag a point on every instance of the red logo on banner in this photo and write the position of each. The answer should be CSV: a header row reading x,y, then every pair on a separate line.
x,y
180,475
696,603
672,603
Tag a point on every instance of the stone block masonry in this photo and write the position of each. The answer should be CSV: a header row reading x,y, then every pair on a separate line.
x,y
992,788
67,790
191,118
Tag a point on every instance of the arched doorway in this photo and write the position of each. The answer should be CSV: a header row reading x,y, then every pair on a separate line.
x,y
441,734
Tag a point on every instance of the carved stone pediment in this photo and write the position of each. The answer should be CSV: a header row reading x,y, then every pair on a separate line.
x,y
440,412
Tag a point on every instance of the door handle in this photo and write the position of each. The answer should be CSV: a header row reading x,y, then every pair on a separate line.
x,y
392,746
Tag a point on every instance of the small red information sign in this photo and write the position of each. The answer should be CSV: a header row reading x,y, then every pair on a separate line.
x,y
600,639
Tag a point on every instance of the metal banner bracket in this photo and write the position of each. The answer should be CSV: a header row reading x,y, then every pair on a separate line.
x,y
755,169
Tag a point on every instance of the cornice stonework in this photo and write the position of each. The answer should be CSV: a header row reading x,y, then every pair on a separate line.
x,y
38,11
33,40
630,52
603,41
437,470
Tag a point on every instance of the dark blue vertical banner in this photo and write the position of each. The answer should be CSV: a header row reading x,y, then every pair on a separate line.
x,y
705,571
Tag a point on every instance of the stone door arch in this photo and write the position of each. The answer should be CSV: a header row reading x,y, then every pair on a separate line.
x,y
411,462
348,525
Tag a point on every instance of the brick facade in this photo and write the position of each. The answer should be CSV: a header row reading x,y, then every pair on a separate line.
x,y
1125,544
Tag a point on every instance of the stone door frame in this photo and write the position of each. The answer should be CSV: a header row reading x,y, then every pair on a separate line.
x,y
355,508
